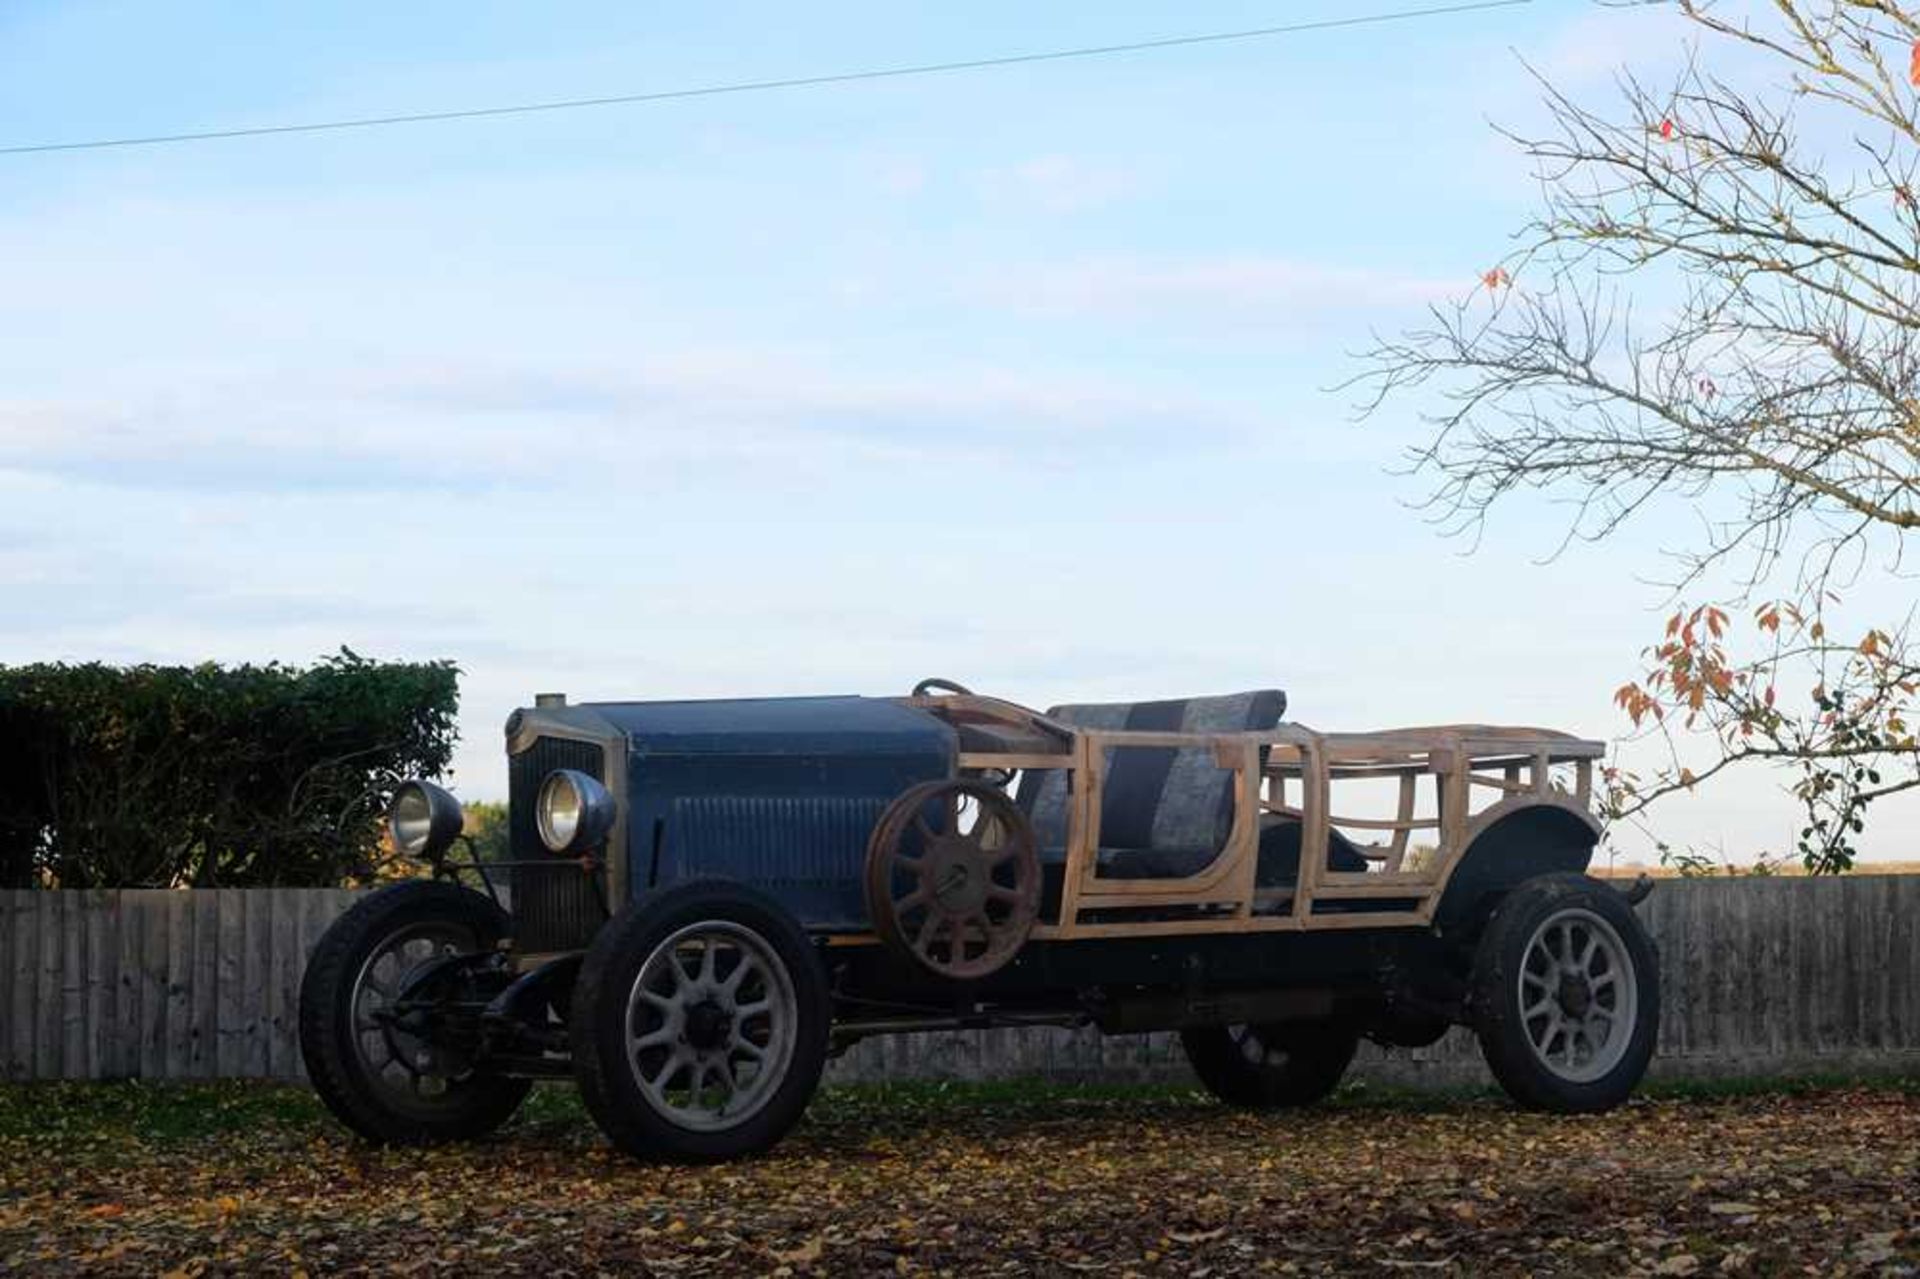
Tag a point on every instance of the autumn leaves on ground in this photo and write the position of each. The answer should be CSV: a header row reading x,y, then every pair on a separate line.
x,y
221,1179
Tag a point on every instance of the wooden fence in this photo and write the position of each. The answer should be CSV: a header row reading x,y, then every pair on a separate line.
x,y
1759,976
154,984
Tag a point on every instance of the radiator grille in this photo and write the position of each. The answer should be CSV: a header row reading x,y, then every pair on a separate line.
x,y
809,851
556,907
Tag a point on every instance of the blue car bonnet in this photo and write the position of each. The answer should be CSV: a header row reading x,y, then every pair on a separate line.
x,y
780,793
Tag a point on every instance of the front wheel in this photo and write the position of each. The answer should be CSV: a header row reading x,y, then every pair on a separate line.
x,y
378,1058
1272,1064
1566,995
700,1023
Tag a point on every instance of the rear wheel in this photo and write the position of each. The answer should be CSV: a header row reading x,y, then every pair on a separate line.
x,y
1566,995
373,1057
700,1023
1271,1064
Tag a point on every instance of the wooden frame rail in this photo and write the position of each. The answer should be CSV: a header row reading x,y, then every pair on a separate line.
x,y
1520,767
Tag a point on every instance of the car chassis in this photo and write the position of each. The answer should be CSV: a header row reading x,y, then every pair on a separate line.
x,y
701,997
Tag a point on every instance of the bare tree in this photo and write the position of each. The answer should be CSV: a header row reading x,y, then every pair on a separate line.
x,y
1719,302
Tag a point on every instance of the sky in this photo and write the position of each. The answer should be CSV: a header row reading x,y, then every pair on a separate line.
x,y
1025,377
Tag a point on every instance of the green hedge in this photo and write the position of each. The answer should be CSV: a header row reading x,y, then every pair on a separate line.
x,y
156,776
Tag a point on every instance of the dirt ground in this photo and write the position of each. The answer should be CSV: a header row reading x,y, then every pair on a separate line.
x,y
231,1179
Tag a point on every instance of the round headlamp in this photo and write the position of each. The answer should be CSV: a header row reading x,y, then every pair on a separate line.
x,y
574,811
423,819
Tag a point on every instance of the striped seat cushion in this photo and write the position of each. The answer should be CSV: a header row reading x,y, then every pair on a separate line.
x,y
1164,798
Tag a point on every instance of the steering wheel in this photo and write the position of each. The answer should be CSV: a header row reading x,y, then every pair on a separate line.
x,y
926,686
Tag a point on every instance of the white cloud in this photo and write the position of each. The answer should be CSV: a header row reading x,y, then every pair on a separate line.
x,y
1058,184
448,425
1280,290
1589,51
901,176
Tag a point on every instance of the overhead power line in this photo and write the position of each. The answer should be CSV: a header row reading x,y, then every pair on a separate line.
x,y
763,86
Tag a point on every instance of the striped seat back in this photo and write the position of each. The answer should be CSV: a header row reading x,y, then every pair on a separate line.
x,y
1157,797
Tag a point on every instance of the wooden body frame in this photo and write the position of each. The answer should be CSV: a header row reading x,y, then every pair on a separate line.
x,y
1288,763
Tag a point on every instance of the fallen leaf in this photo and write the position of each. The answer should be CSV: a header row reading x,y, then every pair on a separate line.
x,y
806,1254
1639,1188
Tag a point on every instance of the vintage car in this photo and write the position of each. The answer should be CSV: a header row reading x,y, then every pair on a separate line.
x,y
703,900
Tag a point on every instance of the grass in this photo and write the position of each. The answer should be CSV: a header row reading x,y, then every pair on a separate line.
x,y
159,1114
173,1112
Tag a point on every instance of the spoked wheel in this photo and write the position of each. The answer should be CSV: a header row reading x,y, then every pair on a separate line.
x,y
378,1057
1577,995
1566,995
953,878
710,1024
1272,1064
700,1023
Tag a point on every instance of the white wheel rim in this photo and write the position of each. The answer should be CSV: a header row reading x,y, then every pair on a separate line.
x,y
711,1025
1578,995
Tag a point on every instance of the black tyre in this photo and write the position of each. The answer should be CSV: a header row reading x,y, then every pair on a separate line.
x,y
1566,995
388,1083
700,1023
1272,1064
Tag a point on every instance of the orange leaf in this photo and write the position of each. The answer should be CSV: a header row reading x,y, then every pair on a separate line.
x,y
1913,67
1495,278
